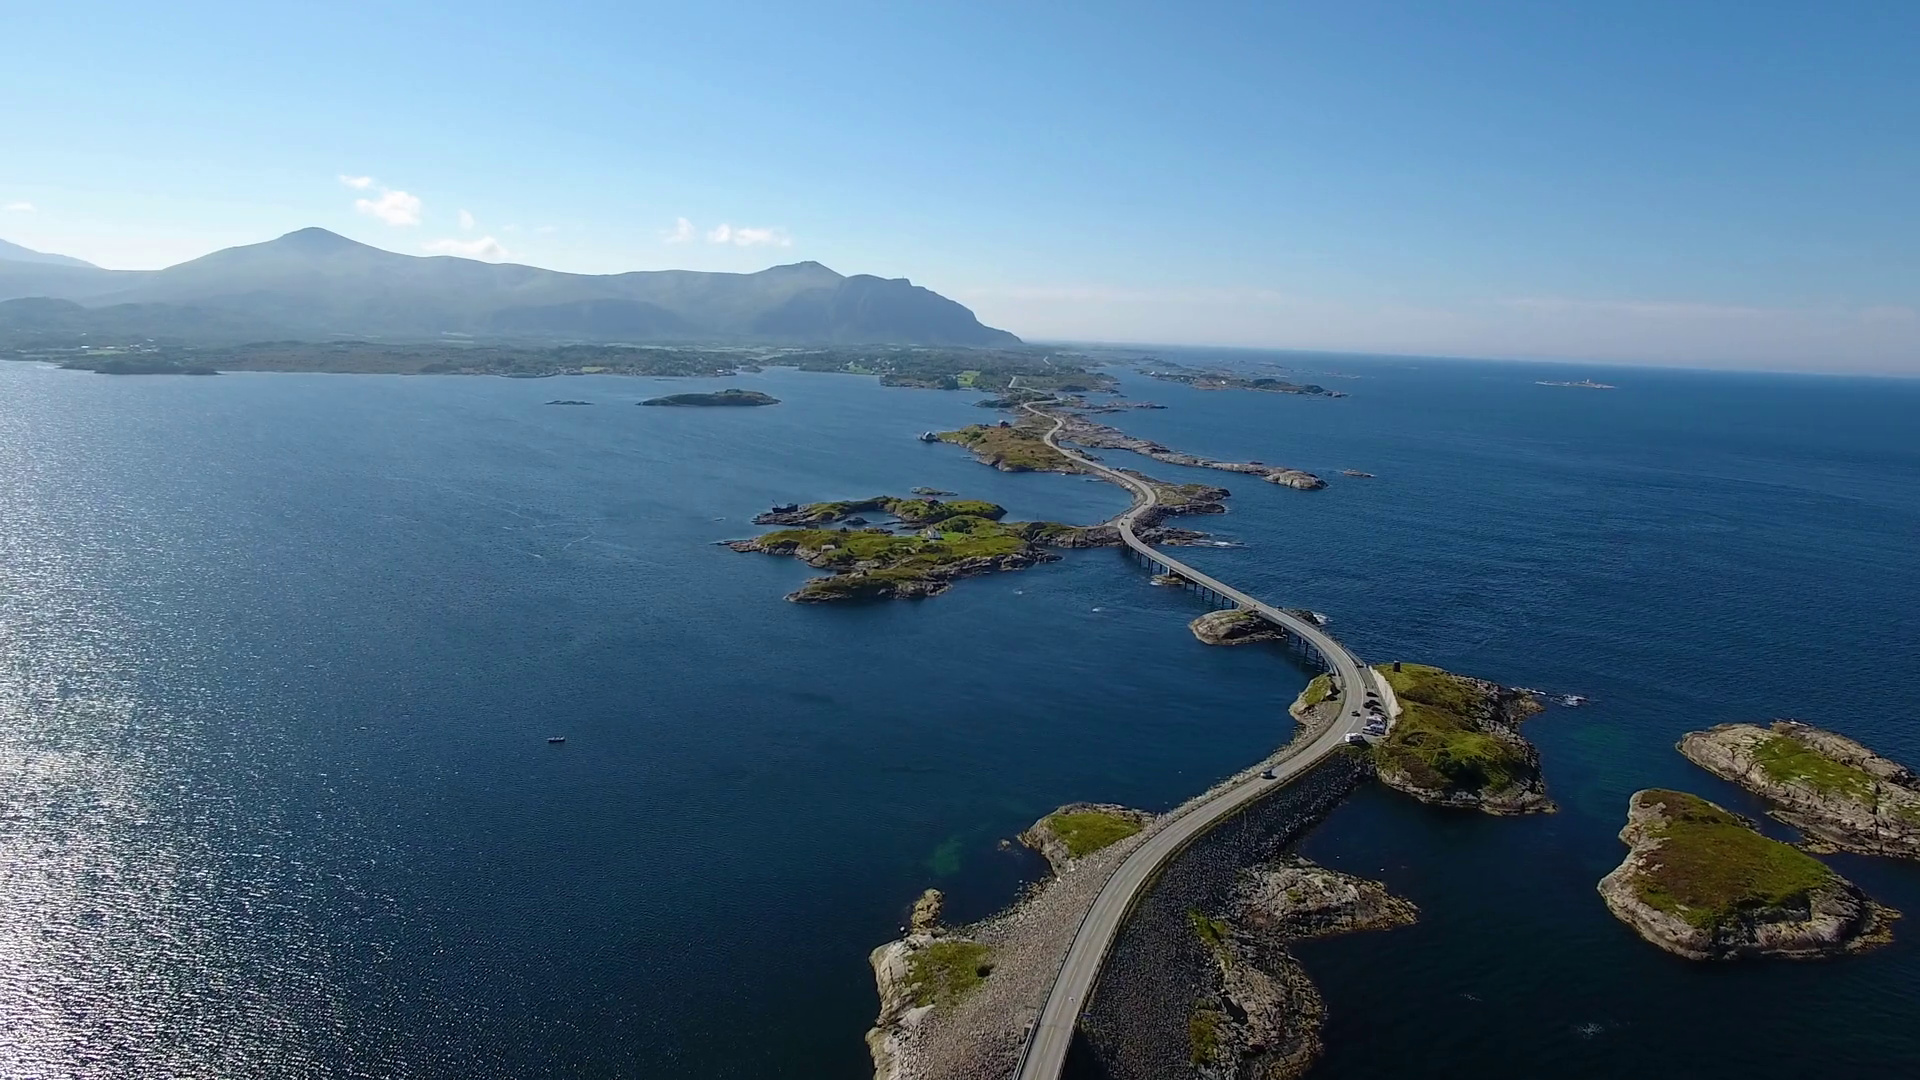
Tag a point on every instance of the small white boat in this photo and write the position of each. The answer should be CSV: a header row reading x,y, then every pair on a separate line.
x,y
556,740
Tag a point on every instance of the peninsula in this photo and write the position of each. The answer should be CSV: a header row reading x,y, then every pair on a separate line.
x,y
732,396
1702,883
1836,791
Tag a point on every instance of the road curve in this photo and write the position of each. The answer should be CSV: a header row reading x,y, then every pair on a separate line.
x,y
1052,1033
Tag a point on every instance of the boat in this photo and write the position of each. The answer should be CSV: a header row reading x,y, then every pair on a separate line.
x,y
928,436
556,740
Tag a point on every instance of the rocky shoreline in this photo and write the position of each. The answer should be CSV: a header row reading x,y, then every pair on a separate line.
x,y
1839,793
1702,883
1264,1014
1095,436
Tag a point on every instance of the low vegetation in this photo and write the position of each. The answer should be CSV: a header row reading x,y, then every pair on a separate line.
x,y
1213,933
730,396
1788,760
1203,1033
1319,689
1087,831
1010,449
1712,867
945,970
1438,740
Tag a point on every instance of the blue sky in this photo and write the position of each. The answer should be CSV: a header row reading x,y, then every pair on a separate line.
x,y
1703,183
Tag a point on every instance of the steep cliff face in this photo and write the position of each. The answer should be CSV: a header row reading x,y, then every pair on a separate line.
x,y
1826,785
1701,883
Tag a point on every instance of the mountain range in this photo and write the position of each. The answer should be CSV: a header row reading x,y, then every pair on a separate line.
x,y
315,285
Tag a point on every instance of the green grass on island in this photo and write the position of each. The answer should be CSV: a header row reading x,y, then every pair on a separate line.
x,y
1436,740
916,511
1712,867
1013,449
1087,831
1213,933
1203,1033
946,970
1788,760
1319,689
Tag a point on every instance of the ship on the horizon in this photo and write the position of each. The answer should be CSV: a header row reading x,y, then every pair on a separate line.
x,y
1587,383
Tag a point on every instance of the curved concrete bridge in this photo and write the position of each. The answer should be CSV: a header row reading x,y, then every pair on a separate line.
x,y
1052,1032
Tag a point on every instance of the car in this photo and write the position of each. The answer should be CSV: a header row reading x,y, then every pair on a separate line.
x,y
1354,738
1268,775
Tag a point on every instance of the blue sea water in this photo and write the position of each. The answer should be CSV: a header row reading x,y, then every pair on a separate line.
x,y
279,656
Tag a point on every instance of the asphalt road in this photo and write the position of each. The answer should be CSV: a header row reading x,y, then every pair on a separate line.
x,y
1052,1033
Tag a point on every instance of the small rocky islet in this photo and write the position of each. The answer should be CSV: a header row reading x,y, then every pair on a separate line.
x,y
732,396
1703,883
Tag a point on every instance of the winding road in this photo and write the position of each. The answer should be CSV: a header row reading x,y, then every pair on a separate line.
x,y
1052,1033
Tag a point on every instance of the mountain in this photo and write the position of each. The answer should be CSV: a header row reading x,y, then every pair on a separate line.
x,y
16,253
317,284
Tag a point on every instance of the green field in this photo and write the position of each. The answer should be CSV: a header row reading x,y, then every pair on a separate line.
x,y
1711,867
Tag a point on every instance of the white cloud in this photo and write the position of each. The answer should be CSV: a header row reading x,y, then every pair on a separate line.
x,y
485,247
745,236
21,207
466,220
358,183
681,232
392,207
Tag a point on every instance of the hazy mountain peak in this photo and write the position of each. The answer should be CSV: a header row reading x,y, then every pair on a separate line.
x,y
16,253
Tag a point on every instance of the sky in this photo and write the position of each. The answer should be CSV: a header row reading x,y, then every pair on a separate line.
x,y
1705,183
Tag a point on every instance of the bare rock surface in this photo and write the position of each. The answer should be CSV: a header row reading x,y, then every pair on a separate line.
x,y
1701,883
1833,789
1234,626
1097,436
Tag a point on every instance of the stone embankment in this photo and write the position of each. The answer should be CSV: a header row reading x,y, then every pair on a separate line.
x,y
1702,883
1836,791
1234,626
1198,947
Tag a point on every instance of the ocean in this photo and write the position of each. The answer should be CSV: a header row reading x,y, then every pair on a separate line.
x,y
280,656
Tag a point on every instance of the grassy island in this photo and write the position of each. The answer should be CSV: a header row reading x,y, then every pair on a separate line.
x,y
1010,449
946,540
1713,868
1454,742
729,396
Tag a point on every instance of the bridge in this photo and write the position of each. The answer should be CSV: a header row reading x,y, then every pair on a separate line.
x,y
1052,1032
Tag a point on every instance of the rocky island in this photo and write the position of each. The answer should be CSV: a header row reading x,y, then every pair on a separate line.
x,y
1702,883
1234,626
730,396
1456,742
1262,1015
1227,380
945,541
1834,790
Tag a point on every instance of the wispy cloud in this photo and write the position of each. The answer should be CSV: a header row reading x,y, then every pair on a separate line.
x,y
21,207
391,206
748,236
483,247
466,220
681,233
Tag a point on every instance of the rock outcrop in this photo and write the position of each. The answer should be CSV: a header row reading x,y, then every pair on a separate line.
x,y
1234,626
1701,883
1836,791
1457,743
1264,1015
1077,830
